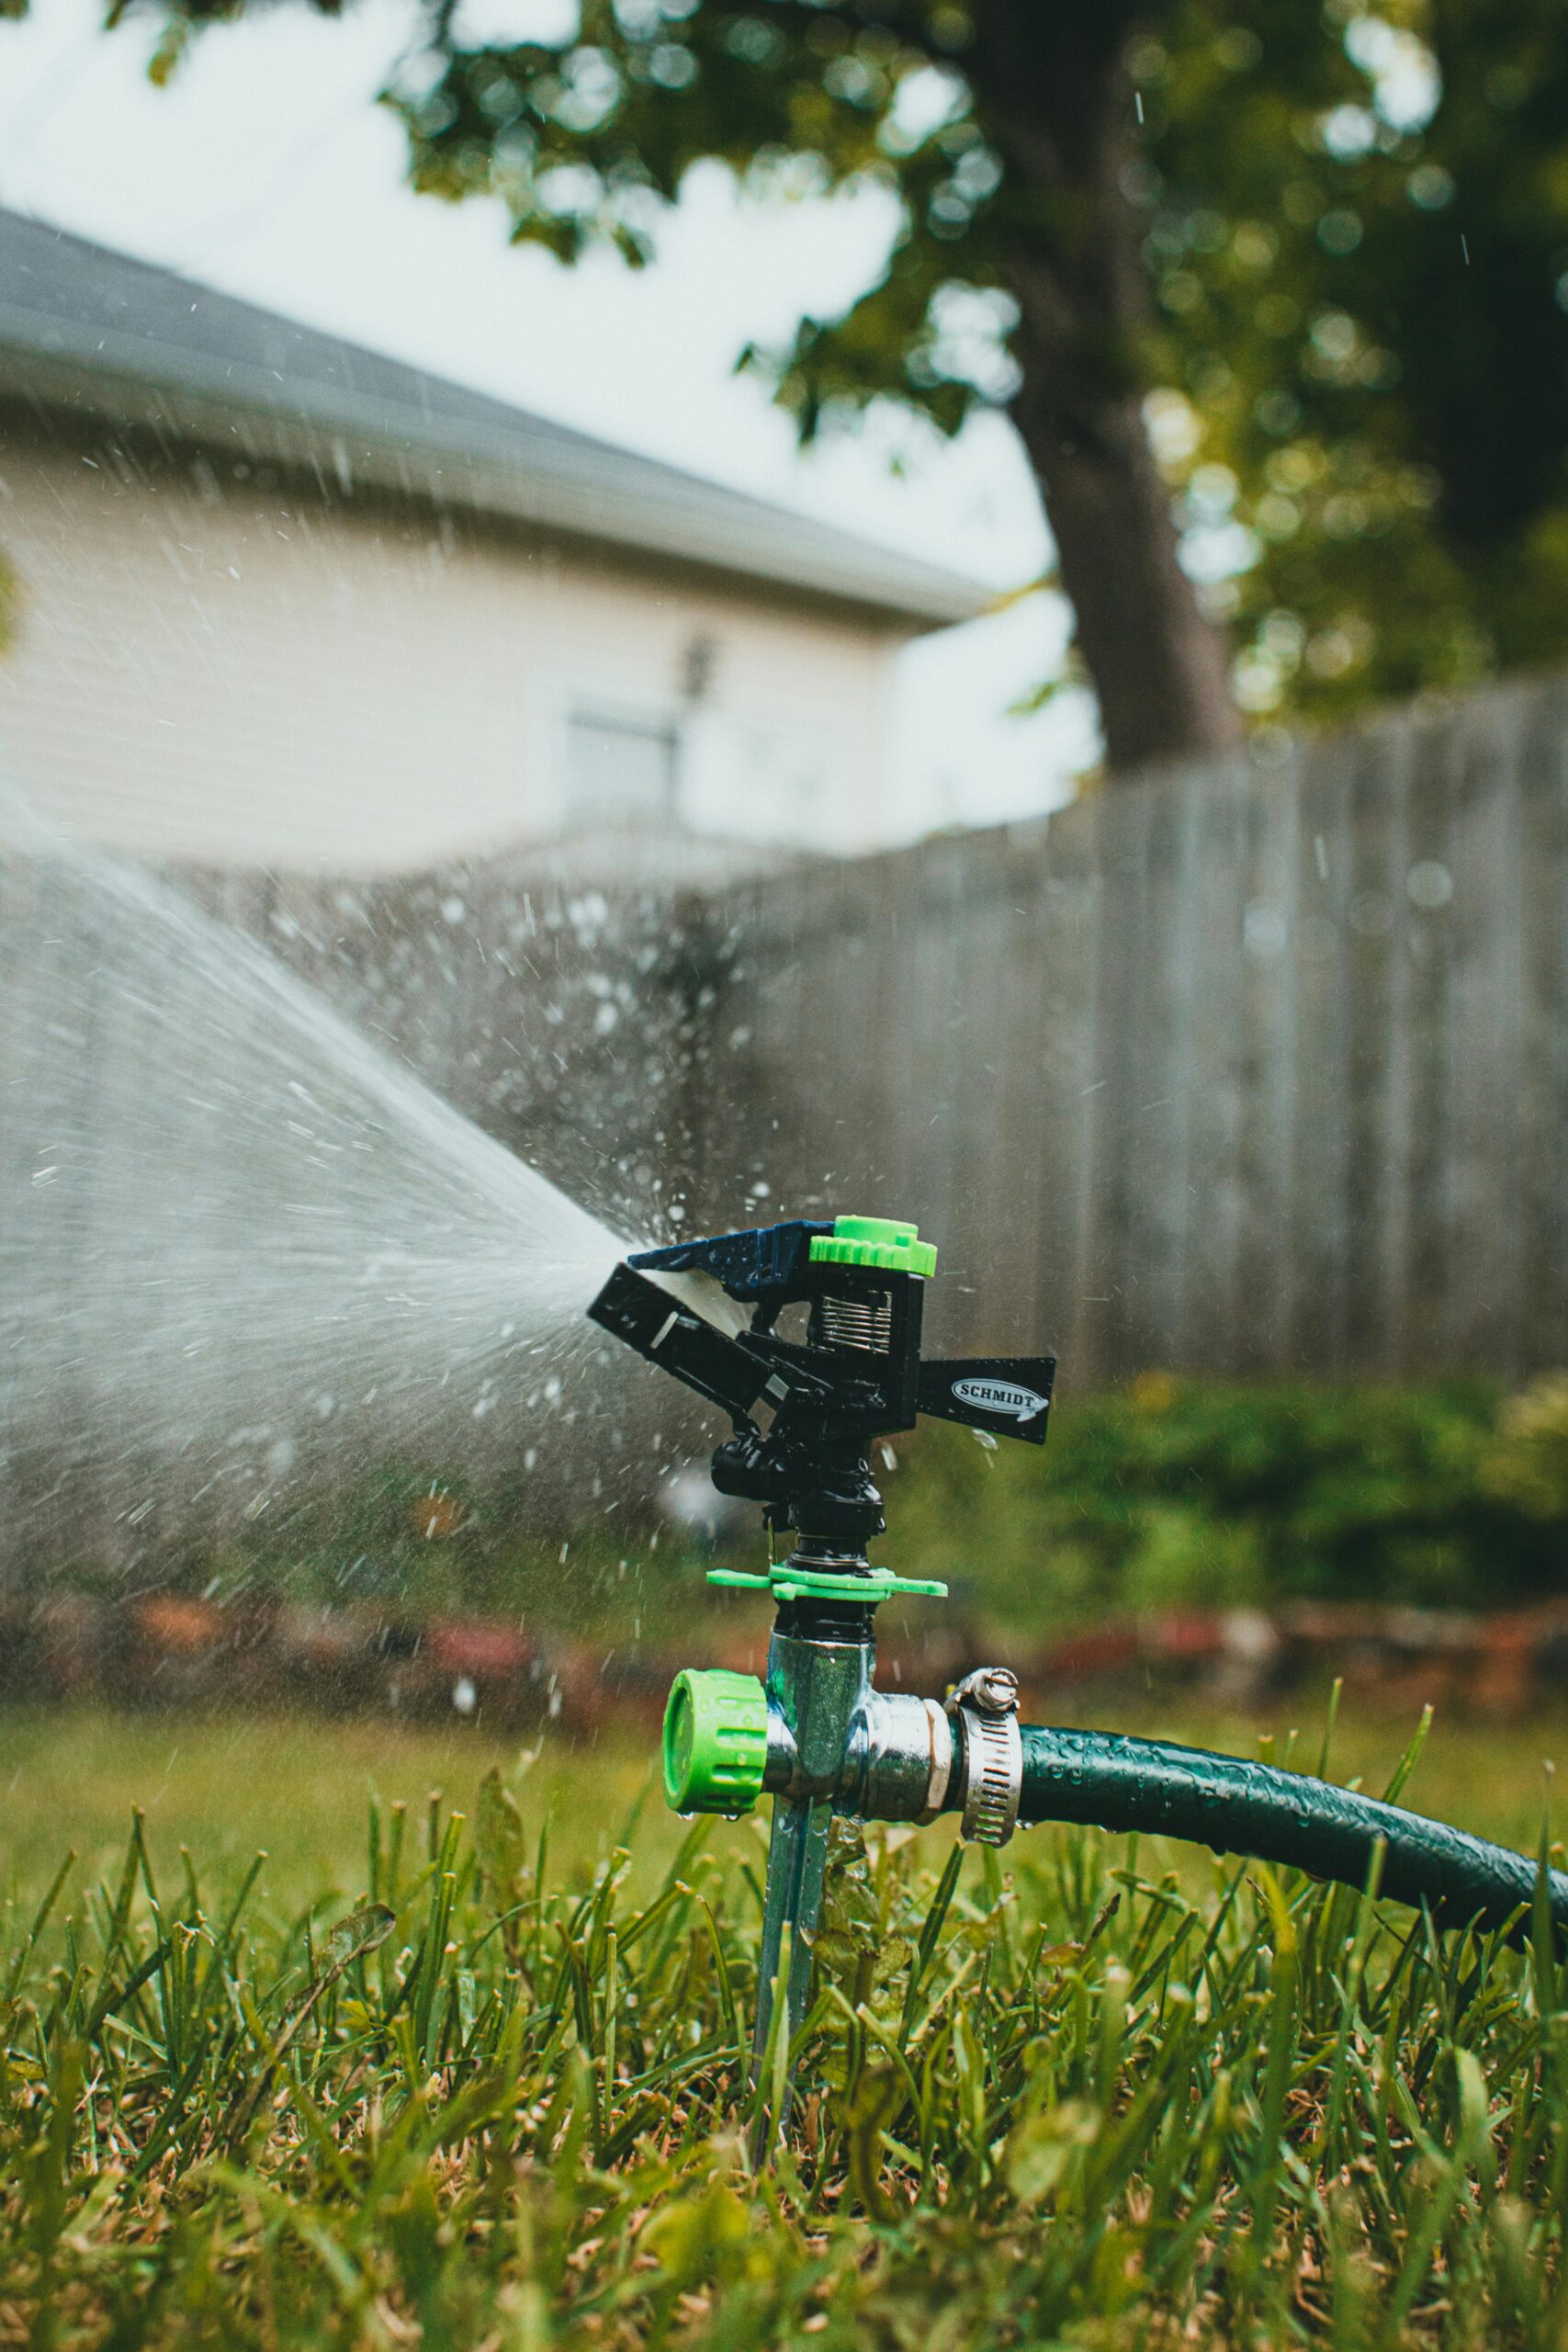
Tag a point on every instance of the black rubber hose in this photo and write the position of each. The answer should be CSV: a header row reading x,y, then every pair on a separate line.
x,y
1115,1782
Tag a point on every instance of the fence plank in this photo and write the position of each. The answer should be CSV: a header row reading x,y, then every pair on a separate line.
x,y
1424,936
1268,1018
1065,993
1378,1142
1543,979
1486,1040
1210,1300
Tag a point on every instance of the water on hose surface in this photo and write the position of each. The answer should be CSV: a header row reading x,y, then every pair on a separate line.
x,y
234,1232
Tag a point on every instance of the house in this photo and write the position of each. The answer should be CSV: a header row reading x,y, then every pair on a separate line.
x,y
283,601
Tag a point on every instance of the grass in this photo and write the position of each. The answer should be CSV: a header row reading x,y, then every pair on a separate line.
x,y
481,2082
296,1788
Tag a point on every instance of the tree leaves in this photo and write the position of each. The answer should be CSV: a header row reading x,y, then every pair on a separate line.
x,y
1357,223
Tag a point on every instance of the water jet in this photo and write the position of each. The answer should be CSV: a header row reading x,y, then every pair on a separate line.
x,y
244,1249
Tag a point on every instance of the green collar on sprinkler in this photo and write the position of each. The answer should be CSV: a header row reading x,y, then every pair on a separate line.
x,y
878,1241
787,1581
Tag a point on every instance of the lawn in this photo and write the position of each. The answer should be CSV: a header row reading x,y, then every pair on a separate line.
x,y
479,2081
295,1788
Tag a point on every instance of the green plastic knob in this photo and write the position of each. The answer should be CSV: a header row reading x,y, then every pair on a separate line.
x,y
716,1742
876,1241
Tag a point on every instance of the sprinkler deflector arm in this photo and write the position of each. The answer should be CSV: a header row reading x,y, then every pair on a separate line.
x,y
856,1375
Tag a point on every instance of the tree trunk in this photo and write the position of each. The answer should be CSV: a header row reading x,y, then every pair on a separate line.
x,y
1159,668
1054,101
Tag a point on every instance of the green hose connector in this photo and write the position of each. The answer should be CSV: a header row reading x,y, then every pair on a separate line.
x,y
716,1742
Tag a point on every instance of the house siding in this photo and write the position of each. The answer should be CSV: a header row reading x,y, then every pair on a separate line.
x,y
217,664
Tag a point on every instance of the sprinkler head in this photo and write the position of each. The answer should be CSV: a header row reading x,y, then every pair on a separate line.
x,y
804,1411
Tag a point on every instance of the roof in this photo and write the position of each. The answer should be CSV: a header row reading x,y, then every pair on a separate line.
x,y
83,326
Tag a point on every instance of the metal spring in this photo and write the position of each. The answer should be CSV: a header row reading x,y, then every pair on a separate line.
x,y
865,1325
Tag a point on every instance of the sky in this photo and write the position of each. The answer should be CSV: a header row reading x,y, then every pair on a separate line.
x,y
267,169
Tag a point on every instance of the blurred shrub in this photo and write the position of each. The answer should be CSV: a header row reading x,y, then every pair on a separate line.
x,y
1172,1493
1167,1494
411,1546
1529,1465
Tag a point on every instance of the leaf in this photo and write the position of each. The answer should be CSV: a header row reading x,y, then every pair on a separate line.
x,y
362,1931
879,2095
689,2234
1041,2148
499,1838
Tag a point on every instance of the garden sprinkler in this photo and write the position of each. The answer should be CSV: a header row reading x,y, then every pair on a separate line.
x,y
819,1736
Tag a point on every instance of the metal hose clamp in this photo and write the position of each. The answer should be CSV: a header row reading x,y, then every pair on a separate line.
x,y
993,1753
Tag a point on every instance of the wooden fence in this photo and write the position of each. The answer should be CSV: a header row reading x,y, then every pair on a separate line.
x,y
1254,1068
1261,1067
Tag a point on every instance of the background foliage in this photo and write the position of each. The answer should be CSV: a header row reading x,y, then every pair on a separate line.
x,y
1358,234
1200,1494
1168,1493
1356,238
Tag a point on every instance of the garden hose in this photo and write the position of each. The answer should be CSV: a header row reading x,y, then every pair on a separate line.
x,y
1113,1782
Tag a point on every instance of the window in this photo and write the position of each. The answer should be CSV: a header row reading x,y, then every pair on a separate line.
x,y
621,769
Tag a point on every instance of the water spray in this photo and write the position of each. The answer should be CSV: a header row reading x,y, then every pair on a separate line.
x,y
818,1736
244,1247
